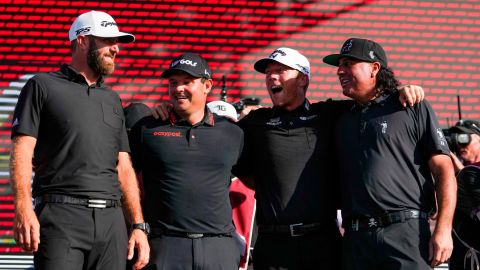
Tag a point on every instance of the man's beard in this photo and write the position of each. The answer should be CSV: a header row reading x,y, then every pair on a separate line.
x,y
94,60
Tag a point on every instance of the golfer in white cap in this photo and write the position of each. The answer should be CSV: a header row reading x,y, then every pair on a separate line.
x,y
83,175
290,160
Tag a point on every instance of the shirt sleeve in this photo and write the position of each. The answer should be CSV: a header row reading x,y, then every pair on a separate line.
x,y
337,107
26,117
134,138
243,167
124,145
431,135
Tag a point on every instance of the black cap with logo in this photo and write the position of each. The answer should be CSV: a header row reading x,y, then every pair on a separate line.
x,y
190,63
361,49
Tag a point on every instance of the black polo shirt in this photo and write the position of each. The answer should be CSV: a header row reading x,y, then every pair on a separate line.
x,y
186,171
290,156
384,151
79,129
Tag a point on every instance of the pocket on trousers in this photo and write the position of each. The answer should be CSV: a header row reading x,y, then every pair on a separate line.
x,y
52,254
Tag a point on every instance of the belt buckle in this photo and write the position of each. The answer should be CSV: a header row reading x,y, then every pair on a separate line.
x,y
36,201
355,225
414,213
194,235
372,222
95,203
292,229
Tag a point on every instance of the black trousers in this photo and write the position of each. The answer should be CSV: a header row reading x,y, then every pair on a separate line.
x,y
74,237
207,253
399,246
317,250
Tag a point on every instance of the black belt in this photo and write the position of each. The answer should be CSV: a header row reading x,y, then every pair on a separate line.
x,y
292,230
356,224
91,203
158,232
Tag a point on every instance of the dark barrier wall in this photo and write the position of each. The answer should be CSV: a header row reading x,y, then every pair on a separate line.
x,y
435,44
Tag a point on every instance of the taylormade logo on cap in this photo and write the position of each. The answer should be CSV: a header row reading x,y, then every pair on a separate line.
x,y
288,57
99,24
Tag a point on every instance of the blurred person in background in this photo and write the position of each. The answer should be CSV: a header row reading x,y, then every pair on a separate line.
x,y
466,222
241,197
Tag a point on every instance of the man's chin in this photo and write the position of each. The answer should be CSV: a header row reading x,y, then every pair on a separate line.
x,y
278,99
179,108
347,93
278,104
107,70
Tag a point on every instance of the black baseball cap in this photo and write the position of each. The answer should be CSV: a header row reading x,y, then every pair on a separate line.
x,y
361,49
190,63
467,127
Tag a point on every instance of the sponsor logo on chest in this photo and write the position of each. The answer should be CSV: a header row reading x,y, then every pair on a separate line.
x,y
278,121
274,122
167,133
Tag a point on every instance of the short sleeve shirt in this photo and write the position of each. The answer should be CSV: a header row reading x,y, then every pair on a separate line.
x,y
289,154
80,131
186,171
384,151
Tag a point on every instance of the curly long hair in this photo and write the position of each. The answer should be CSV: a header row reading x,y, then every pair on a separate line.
x,y
386,81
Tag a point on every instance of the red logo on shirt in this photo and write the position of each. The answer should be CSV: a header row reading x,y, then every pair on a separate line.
x,y
167,134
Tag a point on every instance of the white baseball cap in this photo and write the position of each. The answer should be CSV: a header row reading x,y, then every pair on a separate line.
x,y
223,108
99,24
288,57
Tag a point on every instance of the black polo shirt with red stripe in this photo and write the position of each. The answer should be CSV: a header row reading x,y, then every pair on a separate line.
x,y
186,171
79,130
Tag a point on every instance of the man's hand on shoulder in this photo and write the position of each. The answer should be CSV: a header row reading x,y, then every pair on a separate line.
x,y
411,95
247,109
162,111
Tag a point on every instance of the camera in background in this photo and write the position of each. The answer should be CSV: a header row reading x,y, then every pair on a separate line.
x,y
460,133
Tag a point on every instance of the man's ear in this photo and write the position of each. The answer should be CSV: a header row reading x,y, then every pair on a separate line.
x,y
82,42
375,68
303,80
208,86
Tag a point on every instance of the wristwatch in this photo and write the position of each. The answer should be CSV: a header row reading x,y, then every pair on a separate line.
x,y
142,226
